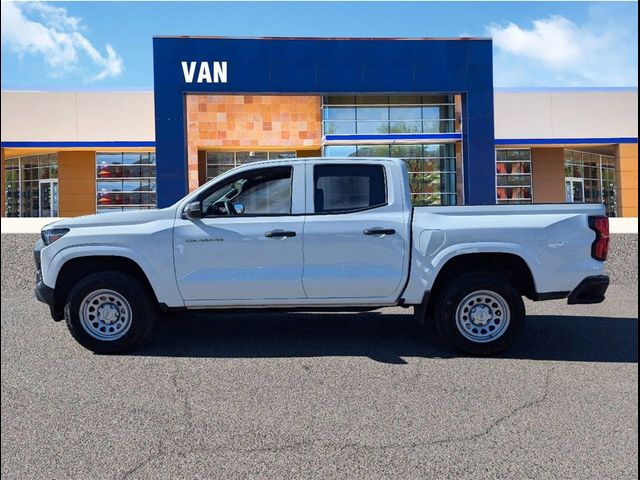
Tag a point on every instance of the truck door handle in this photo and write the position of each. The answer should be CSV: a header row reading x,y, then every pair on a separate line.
x,y
279,234
379,231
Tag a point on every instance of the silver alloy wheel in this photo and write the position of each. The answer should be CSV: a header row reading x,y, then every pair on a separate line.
x,y
483,316
105,315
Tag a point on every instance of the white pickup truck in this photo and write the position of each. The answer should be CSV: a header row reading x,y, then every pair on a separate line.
x,y
320,234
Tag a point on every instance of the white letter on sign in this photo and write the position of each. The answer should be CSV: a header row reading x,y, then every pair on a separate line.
x,y
188,71
205,73
219,72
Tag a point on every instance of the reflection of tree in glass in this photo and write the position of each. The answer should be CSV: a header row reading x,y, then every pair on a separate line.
x,y
400,127
425,200
424,182
329,128
426,178
373,151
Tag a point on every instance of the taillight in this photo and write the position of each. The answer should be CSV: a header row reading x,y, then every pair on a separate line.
x,y
600,247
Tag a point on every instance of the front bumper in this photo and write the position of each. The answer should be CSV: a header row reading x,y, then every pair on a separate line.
x,y
44,293
590,290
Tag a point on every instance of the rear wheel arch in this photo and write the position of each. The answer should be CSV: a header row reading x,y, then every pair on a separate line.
x,y
508,265
511,267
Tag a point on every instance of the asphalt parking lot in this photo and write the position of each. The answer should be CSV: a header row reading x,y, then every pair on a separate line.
x,y
370,395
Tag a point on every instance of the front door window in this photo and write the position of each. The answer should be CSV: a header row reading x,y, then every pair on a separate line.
x,y
262,192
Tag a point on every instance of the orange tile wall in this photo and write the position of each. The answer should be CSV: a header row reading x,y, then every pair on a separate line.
x,y
248,122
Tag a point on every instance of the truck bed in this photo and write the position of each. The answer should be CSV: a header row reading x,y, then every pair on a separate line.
x,y
553,239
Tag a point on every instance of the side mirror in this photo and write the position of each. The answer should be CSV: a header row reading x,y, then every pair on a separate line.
x,y
239,208
192,210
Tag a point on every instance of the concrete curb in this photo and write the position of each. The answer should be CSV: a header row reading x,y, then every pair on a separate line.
x,y
623,225
25,225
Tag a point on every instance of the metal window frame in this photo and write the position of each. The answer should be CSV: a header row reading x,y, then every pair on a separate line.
x,y
600,167
131,206
420,144
20,178
529,199
235,158
388,107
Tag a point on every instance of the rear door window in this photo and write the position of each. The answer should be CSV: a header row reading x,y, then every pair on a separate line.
x,y
344,188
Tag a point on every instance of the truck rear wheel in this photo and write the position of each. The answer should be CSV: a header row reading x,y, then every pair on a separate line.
x,y
109,312
479,314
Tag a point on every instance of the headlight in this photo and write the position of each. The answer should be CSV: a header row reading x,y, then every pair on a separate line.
x,y
51,235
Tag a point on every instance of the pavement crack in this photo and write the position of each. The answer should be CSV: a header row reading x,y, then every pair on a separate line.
x,y
311,443
184,395
463,438
187,415
502,419
141,464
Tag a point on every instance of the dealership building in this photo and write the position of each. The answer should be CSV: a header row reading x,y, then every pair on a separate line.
x,y
221,102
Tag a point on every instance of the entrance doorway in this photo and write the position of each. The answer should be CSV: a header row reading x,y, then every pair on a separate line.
x,y
574,190
48,198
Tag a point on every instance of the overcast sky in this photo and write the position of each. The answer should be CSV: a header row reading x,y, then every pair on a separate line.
x,y
104,45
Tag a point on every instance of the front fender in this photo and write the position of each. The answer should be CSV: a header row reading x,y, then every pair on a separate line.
x,y
160,274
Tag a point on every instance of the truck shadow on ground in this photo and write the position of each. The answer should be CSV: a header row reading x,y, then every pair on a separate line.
x,y
385,338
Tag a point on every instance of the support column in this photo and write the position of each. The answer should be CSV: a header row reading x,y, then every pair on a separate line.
x,y
3,181
77,183
627,179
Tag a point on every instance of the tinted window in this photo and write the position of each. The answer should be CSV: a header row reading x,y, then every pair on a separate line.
x,y
344,188
261,192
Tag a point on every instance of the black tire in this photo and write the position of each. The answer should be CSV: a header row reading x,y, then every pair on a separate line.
x,y
450,298
142,311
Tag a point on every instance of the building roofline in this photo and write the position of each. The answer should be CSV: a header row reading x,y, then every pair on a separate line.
x,y
496,90
76,90
214,37
563,89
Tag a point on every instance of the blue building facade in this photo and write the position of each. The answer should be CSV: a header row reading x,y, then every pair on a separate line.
x,y
406,74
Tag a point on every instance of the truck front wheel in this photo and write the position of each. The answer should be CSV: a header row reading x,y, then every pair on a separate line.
x,y
479,314
109,312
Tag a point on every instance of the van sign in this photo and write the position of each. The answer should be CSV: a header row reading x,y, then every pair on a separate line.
x,y
208,72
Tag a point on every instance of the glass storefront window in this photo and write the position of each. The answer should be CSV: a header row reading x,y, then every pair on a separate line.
x,y
340,120
590,178
339,151
219,162
369,115
513,176
125,181
31,188
432,168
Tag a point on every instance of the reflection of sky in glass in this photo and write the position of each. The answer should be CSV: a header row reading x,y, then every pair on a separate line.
x,y
124,178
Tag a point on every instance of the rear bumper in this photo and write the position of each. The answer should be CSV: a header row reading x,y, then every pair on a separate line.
x,y
590,290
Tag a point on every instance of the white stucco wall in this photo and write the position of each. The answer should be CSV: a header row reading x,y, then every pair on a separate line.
x,y
77,116
564,114
129,116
